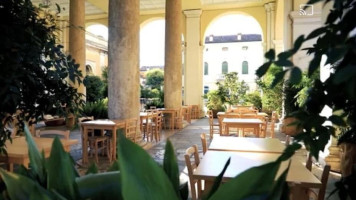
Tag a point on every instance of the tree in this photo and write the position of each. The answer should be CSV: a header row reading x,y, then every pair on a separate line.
x,y
272,98
231,90
154,78
104,75
35,75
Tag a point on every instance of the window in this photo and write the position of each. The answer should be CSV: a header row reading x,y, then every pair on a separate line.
x,y
206,68
88,69
244,67
206,89
224,67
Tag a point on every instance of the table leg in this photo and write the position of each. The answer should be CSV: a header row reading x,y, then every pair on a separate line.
x,y
114,144
84,145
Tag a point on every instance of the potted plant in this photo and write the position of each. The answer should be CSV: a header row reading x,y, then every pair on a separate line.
x,y
215,102
347,143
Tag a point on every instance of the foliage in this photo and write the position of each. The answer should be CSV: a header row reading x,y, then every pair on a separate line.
x,y
337,42
150,93
215,101
231,90
254,99
154,78
97,109
35,75
156,102
94,86
45,180
272,98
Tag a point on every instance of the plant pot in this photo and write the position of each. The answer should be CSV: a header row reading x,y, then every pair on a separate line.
x,y
348,158
215,113
70,121
288,129
55,122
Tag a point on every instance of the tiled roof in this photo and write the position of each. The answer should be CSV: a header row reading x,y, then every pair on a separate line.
x,y
233,38
146,68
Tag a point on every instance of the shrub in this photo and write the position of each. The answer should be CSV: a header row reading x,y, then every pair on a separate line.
x,y
97,109
214,101
254,99
94,86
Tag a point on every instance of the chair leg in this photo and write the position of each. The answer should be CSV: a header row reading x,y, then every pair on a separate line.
x,y
193,190
96,152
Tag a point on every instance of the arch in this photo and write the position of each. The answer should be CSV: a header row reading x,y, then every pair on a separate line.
x,y
257,13
206,68
224,67
146,19
98,30
88,70
244,67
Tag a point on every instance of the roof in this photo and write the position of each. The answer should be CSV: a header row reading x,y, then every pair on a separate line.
x,y
146,68
233,38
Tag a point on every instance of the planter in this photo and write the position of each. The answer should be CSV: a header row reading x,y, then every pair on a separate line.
x,y
70,121
348,158
288,129
55,122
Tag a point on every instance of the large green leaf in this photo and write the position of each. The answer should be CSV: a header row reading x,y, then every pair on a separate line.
x,y
100,186
263,69
20,187
278,78
254,183
279,190
270,55
141,176
218,179
61,172
36,159
170,166
295,76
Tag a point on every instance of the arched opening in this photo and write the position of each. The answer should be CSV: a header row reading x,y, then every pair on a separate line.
x,y
233,43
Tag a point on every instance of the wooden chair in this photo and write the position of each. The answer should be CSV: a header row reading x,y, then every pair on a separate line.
x,y
273,121
320,194
212,124
60,133
203,142
178,120
191,166
147,126
157,125
186,112
131,129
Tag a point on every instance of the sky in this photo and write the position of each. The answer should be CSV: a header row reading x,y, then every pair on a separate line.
x,y
152,35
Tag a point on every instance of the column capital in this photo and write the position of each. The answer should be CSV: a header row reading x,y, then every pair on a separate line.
x,y
192,13
270,6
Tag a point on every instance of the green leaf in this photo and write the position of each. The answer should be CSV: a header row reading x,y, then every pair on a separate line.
x,y
93,169
256,182
60,171
285,55
263,69
298,43
295,76
289,151
139,172
114,167
100,186
337,120
280,187
21,187
37,194
170,166
36,159
270,55
345,74
278,78
283,63
315,33
218,179
314,65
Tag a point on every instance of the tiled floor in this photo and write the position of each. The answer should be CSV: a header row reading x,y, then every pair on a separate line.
x,y
181,140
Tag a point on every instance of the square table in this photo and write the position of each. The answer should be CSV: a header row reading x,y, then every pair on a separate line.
x,y
242,123
170,111
242,144
213,162
111,125
17,151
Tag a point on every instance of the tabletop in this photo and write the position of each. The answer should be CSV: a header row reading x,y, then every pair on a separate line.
x,y
213,162
243,144
242,121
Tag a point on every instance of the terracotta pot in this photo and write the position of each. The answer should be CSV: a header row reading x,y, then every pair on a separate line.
x,y
70,121
348,158
55,122
291,130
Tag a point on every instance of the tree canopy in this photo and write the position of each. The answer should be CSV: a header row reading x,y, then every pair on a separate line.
x,y
155,78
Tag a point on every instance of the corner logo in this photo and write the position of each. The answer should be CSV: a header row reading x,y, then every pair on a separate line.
x,y
306,9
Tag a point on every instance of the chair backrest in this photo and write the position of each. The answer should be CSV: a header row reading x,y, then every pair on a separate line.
x,y
192,152
131,129
273,121
203,142
64,134
263,131
320,195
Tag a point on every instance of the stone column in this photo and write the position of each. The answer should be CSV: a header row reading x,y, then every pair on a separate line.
x,y
124,83
77,36
173,55
193,77
270,16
